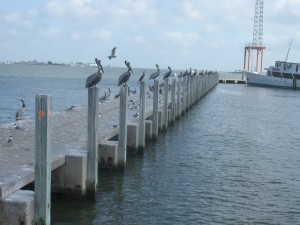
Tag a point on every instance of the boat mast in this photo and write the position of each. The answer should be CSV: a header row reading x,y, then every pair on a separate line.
x,y
288,52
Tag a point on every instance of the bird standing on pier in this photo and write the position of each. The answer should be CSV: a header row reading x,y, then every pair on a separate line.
x,y
20,112
142,77
10,140
112,55
168,74
125,76
156,74
95,78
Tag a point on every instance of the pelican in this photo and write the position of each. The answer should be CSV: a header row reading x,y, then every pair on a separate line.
x,y
20,112
156,74
128,65
185,73
103,97
95,78
113,51
125,76
142,77
167,74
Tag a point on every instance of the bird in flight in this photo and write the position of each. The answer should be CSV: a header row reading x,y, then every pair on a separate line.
x,y
113,52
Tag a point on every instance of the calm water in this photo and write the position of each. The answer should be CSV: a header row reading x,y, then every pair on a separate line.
x,y
232,159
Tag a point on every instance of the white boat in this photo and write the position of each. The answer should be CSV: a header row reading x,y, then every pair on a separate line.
x,y
284,74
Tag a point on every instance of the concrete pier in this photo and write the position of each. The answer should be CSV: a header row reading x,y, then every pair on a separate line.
x,y
69,148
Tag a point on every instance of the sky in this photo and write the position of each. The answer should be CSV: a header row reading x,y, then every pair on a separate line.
x,y
201,34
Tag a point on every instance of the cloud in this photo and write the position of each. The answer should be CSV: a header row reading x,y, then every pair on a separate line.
x,y
181,39
94,34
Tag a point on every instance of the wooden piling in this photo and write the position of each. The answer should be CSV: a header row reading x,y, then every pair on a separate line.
x,y
178,111
173,109
122,151
92,143
42,183
142,114
165,107
183,109
155,111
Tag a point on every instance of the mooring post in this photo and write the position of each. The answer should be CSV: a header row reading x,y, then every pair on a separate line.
x,y
142,114
183,109
92,143
122,150
165,109
187,93
178,111
42,182
155,111
173,109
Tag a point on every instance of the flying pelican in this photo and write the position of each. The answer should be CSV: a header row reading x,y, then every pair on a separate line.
x,y
125,76
113,51
20,112
95,78
156,74
168,74
142,77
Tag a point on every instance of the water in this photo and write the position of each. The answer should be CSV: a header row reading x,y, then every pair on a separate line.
x,y
232,159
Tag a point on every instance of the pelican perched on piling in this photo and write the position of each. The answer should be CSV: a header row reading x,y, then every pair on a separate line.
x,y
156,74
125,76
20,112
142,77
95,78
112,55
168,74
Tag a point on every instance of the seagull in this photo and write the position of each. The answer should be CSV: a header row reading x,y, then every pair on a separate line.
x,y
113,51
95,78
10,139
142,77
156,74
167,74
20,112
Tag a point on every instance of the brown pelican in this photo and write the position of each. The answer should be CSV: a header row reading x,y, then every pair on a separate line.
x,y
125,76
113,51
156,74
95,78
20,112
168,74
128,65
142,77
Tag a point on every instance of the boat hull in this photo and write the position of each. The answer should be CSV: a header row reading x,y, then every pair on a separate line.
x,y
257,79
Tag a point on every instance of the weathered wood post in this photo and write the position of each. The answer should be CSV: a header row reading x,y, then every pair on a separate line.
x,y
183,109
173,110
178,111
155,111
92,143
142,114
165,109
122,150
42,182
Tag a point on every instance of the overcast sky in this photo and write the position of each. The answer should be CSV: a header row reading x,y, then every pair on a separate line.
x,y
202,34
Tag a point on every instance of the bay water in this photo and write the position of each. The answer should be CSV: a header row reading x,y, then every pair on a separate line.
x,y
233,158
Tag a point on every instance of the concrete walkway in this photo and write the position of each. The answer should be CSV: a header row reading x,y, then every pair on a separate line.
x,y
69,136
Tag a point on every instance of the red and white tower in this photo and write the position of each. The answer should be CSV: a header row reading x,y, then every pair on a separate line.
x,y
257,42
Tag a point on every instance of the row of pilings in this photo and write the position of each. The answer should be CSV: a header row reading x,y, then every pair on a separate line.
x,y
79,172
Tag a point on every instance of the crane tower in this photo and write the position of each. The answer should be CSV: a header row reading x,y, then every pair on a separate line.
x,y
257,42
